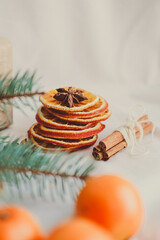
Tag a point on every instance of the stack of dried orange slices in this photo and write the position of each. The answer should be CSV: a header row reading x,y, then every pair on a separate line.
x,y
69,119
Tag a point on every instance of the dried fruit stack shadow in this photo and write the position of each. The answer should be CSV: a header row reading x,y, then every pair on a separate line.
x,y
69,119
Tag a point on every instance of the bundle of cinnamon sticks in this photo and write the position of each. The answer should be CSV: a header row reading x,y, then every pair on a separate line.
x,y
115,142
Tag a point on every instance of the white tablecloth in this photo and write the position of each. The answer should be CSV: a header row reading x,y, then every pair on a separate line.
x,y
142,171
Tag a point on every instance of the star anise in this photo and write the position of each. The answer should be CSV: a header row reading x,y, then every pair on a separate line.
x,y
69,97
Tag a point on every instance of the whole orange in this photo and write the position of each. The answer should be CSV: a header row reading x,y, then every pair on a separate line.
x,y
79,229
113,203
18,224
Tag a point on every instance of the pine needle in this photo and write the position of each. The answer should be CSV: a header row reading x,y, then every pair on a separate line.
x,y
17,92
31,173
19,86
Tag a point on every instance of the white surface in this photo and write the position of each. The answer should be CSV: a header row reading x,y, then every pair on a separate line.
x,y
142,171
109,47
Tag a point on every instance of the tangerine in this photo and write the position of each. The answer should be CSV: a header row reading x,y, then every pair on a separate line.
x,y
79,228
113,203
18,224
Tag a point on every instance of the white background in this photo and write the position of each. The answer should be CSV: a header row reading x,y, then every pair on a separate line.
x,y
109,47
87,40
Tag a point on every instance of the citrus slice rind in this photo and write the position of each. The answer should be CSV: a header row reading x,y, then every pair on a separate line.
x,y
100,107
51,147
45,118
98,118
49,101
71,134
33,131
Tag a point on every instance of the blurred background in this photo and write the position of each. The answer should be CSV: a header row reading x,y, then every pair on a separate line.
x,y
104,41
110,47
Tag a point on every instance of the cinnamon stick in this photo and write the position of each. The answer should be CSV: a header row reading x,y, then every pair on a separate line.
x,y
112,151
98,155
115,142
116,137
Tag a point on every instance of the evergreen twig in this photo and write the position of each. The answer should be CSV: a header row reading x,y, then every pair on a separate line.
x,y
17,92
20,85
27,170
20,95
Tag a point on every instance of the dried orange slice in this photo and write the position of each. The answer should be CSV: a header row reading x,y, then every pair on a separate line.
x,y
100,107
51,147
98,118
47,119
49,101
34,131
71,134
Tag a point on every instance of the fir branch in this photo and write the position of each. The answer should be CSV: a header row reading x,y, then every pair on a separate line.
x,y
56,176
17,92
20,95
20,85
38,172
